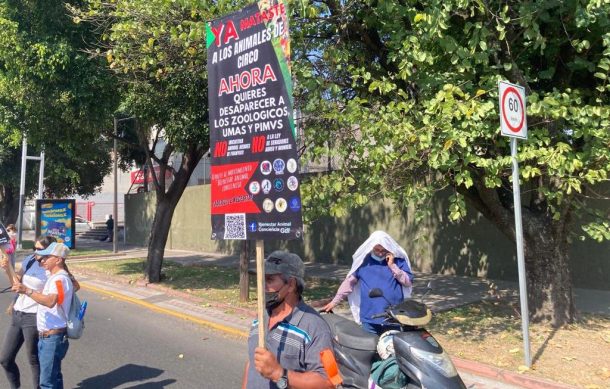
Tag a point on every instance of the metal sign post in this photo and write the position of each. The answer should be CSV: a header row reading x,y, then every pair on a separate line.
x,y
520,255
513,123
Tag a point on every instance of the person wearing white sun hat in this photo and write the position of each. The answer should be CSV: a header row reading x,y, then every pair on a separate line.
x,y
380,262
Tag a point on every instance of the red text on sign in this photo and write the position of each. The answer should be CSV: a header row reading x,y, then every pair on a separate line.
x,y
246,79
258,144
220,149
229,31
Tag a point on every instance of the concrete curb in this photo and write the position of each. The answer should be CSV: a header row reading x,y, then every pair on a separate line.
x,y
96,256
153,307
167,290
507,376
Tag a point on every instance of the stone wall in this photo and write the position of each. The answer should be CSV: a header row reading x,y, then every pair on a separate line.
x,y
473,247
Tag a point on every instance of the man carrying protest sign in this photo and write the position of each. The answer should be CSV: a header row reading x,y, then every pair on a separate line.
x,y
297,336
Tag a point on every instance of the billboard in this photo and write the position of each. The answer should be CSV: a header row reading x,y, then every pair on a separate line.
x,y
254,161
56,218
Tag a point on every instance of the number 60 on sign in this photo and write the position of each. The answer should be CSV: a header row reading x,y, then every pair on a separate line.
x,y
513,118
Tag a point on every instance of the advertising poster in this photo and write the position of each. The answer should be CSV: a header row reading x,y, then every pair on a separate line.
x,y
254,167
56,218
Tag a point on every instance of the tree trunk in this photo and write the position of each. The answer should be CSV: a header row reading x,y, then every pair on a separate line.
x,y
549,281
10,205
158,237
546,250
166,204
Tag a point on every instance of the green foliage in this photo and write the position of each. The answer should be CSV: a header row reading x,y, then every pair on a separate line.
x,y
52,92
404,95
157,49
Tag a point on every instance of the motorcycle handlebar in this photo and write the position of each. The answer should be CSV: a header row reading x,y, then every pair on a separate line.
x,y
378,315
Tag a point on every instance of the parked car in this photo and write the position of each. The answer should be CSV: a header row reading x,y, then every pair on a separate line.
x,y
82,224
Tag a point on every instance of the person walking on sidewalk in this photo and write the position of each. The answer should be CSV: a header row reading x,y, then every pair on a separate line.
x,y
296,335
110,228
22,329
11,230
380,262
54,304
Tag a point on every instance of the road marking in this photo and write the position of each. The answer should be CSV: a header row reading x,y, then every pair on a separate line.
x,y
153,307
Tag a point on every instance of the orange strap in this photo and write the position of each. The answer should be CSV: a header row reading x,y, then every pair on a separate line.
x,y
60,292
327,357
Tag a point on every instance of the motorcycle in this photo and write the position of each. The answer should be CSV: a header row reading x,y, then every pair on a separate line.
x,y
418,354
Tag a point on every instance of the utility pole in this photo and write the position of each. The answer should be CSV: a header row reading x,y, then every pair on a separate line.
x,y
115,211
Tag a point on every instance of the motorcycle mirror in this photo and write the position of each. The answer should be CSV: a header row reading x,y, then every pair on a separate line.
x,y
428,290
375,292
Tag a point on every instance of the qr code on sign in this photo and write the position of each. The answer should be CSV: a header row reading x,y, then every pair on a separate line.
x,y
235,226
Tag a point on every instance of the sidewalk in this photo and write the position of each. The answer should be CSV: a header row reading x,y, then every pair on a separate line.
x,y
449,292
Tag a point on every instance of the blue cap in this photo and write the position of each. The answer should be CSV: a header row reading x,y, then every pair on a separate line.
x,y
56,249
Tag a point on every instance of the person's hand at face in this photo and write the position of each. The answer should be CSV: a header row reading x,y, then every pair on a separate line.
x,y
381,252
390,258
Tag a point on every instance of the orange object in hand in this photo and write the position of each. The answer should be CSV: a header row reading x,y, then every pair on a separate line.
x,y
60,292
327,357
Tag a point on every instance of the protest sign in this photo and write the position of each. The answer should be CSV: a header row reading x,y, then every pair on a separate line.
x,y
254,161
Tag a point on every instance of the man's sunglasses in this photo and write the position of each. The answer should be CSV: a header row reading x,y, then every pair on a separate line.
x,y
42,258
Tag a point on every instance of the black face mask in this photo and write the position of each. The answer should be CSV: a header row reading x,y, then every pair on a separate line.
x,y
272,299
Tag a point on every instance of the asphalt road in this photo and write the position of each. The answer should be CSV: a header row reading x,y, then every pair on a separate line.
x,y
127,346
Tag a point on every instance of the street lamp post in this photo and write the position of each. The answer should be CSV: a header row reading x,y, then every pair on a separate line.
x,y
114,204
24,159
115,211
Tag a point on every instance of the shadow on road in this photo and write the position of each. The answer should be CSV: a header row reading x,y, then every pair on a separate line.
x,y
124,375
153,385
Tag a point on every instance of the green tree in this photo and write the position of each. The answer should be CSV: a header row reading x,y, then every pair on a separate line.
x,y
51,92
157,50
404,95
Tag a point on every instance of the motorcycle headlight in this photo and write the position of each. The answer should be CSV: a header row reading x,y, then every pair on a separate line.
x,y
440,362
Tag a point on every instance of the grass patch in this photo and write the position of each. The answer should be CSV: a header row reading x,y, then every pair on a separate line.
x,y
490,332
212,283
28,245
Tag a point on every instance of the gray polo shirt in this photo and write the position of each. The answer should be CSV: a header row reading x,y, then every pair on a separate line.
x,y
296,342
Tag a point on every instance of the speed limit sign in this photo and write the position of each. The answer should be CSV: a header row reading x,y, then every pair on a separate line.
x,y
513,118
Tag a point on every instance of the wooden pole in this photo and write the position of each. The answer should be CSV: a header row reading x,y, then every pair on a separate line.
x,y
244,278
260,290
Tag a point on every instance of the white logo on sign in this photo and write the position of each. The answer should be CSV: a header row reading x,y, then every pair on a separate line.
x,y
268,205
292,183
291,165
255,187
281,204
266,184
266,167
